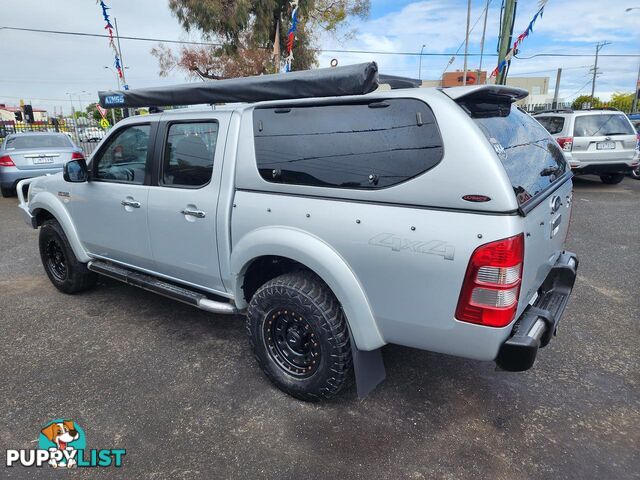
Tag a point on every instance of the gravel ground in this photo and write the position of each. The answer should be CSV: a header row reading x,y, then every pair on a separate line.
x,y
177,388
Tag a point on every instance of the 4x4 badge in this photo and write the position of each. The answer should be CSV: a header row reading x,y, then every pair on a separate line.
x,y
397,244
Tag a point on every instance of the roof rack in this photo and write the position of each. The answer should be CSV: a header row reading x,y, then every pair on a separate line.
x,y
325,82
604,108
554,110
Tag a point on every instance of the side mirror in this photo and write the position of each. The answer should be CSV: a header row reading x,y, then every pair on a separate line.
x,y
76,171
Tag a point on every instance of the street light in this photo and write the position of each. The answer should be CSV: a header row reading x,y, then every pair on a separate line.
x,y
634,105
420,64
632,8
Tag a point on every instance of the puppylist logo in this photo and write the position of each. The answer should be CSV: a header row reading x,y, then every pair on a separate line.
x,y
62,444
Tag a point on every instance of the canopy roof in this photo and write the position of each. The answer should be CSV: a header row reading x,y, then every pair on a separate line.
x,y
325,82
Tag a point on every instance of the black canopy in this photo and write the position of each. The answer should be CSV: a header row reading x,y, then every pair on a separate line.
x,y
324,82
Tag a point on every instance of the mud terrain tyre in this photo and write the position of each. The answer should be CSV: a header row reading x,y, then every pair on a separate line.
x,y
63,268
299,336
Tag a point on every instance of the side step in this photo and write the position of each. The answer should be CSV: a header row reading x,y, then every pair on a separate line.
x,y
161,287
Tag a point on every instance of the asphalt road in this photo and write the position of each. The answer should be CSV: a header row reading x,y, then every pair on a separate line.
x,y
178,389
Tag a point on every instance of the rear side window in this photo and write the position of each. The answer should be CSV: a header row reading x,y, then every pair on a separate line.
x,y
553,125
38,141
362,146
532,159
188,155
601,125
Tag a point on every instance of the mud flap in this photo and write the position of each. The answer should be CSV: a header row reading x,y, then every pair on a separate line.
x,y
369,370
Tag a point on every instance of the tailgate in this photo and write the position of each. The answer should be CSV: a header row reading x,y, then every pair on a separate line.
x,y
37,159
546,227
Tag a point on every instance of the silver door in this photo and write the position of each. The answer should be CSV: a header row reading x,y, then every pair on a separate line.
x,y
110,211
183,199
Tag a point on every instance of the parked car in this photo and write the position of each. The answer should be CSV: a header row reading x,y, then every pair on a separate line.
x,y
26,155
91,134
601,142
431,218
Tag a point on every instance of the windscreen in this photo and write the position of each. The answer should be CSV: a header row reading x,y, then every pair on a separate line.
x,y
38,141
530,156
601,125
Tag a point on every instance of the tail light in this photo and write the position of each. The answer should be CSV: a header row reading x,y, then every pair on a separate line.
x,y
566,143
638,142
5,161
491,285
77,156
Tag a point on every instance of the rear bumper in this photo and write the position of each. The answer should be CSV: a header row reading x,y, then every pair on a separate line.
x,y
604,168
10,176
539,322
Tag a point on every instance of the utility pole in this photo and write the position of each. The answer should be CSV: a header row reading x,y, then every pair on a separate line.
x,y
595,70
466,43
634,106
124,80
484,32
554,105
506,32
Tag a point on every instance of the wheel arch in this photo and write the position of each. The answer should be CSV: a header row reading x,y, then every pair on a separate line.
x,y
46,206
309,252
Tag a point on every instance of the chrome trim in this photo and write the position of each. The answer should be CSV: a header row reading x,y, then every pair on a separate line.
x,y
537,330
194,213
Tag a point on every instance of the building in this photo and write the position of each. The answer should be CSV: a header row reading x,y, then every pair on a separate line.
x,y
8,113
538,87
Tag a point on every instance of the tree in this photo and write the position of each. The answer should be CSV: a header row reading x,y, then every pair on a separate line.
x,y
583,100
244,33
92,112
622,101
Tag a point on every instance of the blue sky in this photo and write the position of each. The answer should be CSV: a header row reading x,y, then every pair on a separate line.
x,y
46,68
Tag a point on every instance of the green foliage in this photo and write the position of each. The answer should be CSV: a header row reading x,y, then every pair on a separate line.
x,y
243,26
583,100
92,112
622,101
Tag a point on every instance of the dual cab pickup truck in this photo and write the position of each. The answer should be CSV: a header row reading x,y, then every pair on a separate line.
x,y
337,222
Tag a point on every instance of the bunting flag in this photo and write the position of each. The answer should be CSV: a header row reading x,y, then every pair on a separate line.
x,y
291,35
519,39
109,28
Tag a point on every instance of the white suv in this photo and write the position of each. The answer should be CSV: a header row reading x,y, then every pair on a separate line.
x,y
601,142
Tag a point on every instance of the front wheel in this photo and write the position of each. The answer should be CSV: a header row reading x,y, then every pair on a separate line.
x,y
299,336
612,178
63,268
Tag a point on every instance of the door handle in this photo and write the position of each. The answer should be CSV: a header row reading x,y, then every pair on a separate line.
x,y
130,203
193,213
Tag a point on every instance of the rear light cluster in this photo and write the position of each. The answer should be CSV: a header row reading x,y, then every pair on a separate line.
x,y
491,285
5,161
77,156
566,143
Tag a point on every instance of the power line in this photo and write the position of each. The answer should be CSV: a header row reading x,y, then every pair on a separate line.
x,y
323,50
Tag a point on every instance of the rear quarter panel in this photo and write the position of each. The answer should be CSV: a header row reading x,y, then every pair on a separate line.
x,y
410,261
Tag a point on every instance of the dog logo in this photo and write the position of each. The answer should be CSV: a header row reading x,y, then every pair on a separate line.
x,y
65,436
62,444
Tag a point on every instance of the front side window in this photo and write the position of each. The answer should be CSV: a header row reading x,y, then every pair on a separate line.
x,y
602,125
368,145
124,159
188,154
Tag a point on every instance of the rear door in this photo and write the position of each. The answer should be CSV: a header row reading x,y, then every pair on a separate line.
x,y
183,200
603,137
38,151
541,182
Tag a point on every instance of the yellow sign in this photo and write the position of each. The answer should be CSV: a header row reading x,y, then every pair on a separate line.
x,y
104,123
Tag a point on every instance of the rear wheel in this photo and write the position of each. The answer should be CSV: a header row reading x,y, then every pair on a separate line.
x,y
612,178
635,173
299,336
7,192
63,268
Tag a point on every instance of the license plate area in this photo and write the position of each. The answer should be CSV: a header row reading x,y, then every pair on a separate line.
x,y
42,160
606,146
